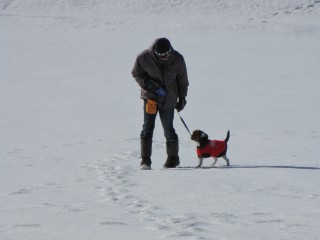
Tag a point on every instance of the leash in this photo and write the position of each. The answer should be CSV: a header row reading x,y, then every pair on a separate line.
x,y
184,123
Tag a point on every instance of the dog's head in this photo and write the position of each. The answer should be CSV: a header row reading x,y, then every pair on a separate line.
x,y
199,136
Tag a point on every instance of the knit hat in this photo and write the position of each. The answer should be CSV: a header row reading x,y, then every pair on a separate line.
x,y
162,48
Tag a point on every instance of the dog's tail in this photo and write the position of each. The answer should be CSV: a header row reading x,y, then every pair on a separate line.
x,y
227,137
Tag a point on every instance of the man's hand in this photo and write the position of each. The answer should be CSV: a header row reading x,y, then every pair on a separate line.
x,y
181,104
156,88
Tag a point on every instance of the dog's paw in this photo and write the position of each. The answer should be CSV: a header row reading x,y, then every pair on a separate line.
x,y
199,166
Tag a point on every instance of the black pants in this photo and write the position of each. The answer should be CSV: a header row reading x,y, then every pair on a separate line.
x,y
166,117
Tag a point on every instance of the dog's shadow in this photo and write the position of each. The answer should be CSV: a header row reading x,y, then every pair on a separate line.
x,y
249,167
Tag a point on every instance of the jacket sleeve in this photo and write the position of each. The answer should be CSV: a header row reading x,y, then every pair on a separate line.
x,y
139,74
182,79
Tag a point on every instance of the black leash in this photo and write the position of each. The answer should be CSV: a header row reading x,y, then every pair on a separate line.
x,y
184,123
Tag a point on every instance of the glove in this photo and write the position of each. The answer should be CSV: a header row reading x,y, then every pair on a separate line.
x,y
156,88
181,104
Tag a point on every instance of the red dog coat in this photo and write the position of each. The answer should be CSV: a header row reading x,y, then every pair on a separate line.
x,y
213,149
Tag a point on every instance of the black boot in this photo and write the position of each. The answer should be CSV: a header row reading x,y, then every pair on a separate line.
x,y
146,150
173,154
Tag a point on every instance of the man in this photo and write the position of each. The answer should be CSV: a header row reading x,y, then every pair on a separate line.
x,y
161,73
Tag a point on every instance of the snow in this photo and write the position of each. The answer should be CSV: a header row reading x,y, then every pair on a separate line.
x,y
71,118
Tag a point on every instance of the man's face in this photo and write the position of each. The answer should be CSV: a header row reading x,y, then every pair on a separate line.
x,y
163,58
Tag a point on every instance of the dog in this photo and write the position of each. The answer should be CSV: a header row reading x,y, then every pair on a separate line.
x,y
210,148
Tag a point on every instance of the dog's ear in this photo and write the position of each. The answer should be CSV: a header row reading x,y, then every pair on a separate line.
x,y
203,136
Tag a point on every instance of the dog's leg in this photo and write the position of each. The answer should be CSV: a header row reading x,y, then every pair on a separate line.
x,y
227,159
200,162
215,161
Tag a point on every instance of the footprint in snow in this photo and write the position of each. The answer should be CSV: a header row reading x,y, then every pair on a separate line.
x,y
29,225
22,191
15,151
117,187
113,223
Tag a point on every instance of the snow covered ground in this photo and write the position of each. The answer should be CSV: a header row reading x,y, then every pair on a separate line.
x,y
68,106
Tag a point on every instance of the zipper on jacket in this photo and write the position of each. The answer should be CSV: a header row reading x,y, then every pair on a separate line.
x,y
164,83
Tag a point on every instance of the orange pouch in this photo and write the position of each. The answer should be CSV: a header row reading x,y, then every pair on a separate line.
x,y
151,107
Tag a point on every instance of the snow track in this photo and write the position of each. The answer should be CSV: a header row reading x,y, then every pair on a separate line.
x,y
162,204
125,185
116,177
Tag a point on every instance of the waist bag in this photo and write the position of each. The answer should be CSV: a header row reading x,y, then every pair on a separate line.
x,y
151,106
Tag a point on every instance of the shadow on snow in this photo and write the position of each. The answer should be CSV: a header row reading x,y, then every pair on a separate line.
x,y
249,167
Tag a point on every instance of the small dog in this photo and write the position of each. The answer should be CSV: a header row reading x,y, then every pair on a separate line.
x,y
210,148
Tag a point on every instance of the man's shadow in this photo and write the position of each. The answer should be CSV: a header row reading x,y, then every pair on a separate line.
x,y
250,166
272,166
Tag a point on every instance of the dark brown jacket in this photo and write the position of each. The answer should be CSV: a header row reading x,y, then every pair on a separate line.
x,y
170,74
